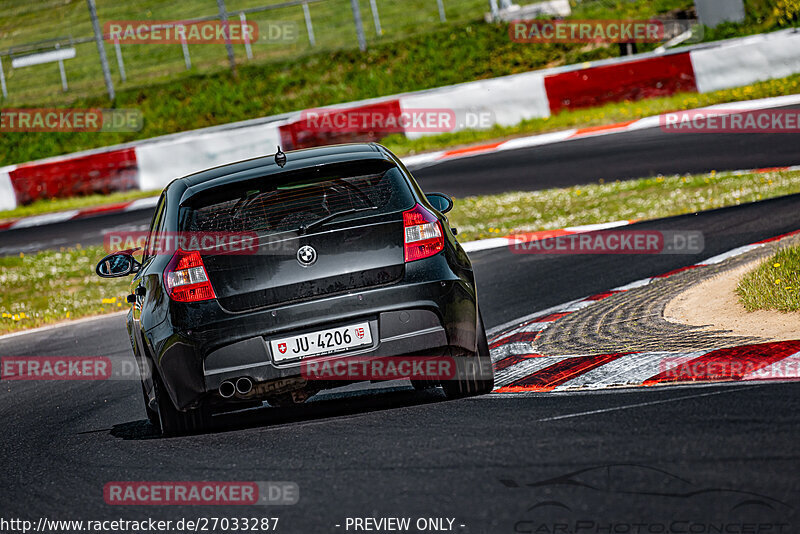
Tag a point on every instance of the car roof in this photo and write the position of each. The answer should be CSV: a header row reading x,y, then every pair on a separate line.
x,y
295,160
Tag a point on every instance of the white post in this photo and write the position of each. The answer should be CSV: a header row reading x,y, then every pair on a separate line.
x,y
187,59
376,19
493,9
309,27
246,35
120,64
98,39
442,15
362,41
3,79
61,70
223,17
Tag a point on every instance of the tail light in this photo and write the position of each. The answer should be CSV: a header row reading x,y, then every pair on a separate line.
x,y
186,278
423,234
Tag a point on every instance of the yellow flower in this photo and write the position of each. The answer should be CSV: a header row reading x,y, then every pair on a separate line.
x,y
776,265
778,281
21,254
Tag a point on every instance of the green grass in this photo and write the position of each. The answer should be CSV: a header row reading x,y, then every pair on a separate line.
x,y
761,16
422,62
498,215
61,204
53,286
24,22
773,285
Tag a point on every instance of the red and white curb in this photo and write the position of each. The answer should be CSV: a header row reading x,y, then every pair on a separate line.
x,y
537,374
69,215
431,158
519,370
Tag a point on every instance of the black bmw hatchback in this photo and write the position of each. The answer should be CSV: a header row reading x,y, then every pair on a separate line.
x,y
323,256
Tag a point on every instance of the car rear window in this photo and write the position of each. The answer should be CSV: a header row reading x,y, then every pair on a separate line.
x,y
284,202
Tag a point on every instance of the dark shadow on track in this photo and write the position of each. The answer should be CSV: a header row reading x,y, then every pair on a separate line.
x,y
267,416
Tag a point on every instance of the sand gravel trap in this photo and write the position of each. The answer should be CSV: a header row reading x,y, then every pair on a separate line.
x,y
715,305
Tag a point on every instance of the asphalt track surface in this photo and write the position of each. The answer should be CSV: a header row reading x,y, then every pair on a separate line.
x,y
663,459
621,156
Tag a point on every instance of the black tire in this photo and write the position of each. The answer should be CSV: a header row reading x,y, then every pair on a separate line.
x,y
175,422
475,372
152,415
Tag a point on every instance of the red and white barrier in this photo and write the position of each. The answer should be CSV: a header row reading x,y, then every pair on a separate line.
x,y
508,100
8,199
316,127
101,172
153,163
748,60
162,162
631,80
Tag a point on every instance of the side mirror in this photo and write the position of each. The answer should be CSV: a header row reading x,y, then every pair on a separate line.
x,y
116,265
440,201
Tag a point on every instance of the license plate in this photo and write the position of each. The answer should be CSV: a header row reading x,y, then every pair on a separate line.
x,y
321,342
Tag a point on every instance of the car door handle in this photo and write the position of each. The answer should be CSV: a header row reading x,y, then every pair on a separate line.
x,y
141,291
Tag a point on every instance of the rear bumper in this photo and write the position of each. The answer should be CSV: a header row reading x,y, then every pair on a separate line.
x,y
418,315
393,333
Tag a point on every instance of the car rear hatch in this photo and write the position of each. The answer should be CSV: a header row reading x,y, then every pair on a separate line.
x,y
320,231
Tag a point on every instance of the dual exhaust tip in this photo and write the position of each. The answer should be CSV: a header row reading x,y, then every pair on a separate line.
x,y
241,386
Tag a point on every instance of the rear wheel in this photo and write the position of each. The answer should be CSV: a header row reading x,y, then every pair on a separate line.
x,y
152,415
475,374
175,422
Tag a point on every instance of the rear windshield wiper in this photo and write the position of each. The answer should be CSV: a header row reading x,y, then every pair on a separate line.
x,y
306,227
